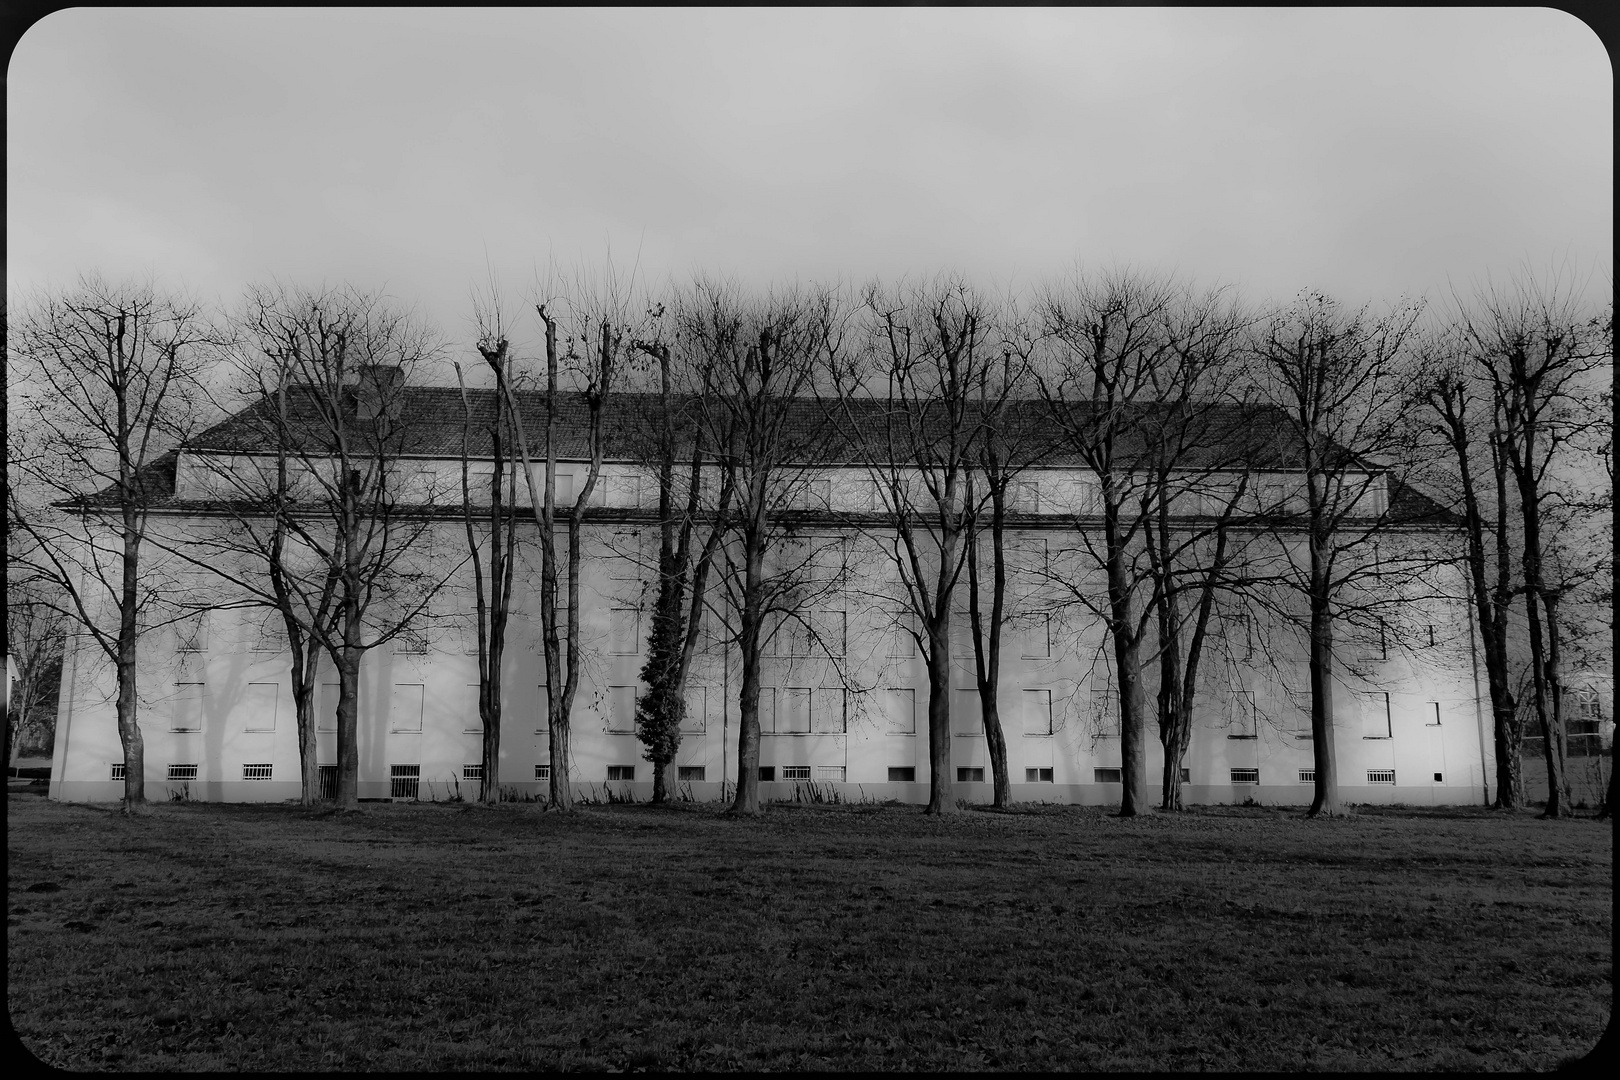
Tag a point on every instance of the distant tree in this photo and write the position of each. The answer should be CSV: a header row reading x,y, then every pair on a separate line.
x,y
35,634
104,381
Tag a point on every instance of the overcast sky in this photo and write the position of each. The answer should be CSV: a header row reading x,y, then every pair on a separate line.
x,y
1365,152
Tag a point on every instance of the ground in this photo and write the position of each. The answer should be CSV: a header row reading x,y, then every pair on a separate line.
x,y
840,937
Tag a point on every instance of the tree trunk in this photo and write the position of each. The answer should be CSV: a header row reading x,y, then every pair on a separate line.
x,y
303,687
747,800
348,741
1128,673
1326,802
941,793
659,795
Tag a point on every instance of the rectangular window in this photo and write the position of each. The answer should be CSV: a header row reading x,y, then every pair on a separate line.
x,y
1186,776
1380,776
326,779
795,772
1105,710
900,710
259,703
186,707
767,773
902,774
326,704
1024,497
1375,715
1239,637
405,707
962,637
1037,712
621,708
814,495
1240,718
182,772
542,724
691,774
256,772
1307,776
411,643
902,646
1431,713
830,772
1107,776
117,770
1037,636
832,631
403,781
192,634
542,772
1037,776
272,636
1439,778
467,710
1245,776
793,711
970,774
627,555
697,710
625,631
966,718
472,772
621,772
827,711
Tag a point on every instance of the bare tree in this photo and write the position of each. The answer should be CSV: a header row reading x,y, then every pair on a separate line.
x,y
106,381
36,631
756,361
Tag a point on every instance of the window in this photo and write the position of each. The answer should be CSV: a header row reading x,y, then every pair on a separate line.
x,y
405,708
966,718
1037,708
1024,496
1439,778
793,711
1038,636
117,770
900,710
1104,710
472,772
466,710
1107,776
697,710
1380,776
1239,637
186,707
623,489
1245,776
624,631
812,495
327,704
795,772
767,773
970,774
1037,776
1186,776
543,717
1307,776
259,702
901,644
411,643
690,774
621,772
182,772
832,631
542,772
1240,718
627,554
962,636
403,781
1588,706
1375,715
326,780
192,634
272,636
1431,713
902,774
621,708
827,711
256,772
830,772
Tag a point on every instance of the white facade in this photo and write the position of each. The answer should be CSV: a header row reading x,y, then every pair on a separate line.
x,y
844,705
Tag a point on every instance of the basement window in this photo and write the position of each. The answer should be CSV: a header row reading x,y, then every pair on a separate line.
x,y
691,774
898,774
118,770
830,772
795,772
182,772
1107,776
326,781
621,772
1245,776
1037,776
472,772
1186,776
1439,778
403,781
970,774
542,772
257,772
1380,776
1307,776
767,773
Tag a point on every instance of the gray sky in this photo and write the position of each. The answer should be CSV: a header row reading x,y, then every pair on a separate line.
x,y
1364,152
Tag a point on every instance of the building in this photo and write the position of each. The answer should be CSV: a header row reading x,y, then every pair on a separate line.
x,y
844,701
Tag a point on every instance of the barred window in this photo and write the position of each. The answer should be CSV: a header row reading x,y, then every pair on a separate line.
x,y
182,772
403,781
256,772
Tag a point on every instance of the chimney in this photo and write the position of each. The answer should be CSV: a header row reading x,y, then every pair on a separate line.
x,y
379,393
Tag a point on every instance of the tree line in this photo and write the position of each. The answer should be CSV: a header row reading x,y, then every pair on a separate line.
x,y
1306,467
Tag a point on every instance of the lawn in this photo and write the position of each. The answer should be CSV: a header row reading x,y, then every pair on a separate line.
x,y
849,937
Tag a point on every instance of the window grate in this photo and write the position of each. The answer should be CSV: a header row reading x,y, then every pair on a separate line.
x,y
1037,776
472,772
970,774
1245,776
829,772
1107,776
1307,776
692,774
403,781
182,772
1380,776
795,772
256,772
621,772
118,770
902,774
326,779
542,772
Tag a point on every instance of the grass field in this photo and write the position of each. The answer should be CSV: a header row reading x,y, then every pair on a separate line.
x,y
851,937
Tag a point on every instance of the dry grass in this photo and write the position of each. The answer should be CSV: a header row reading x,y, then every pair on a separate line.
x,y
852,937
